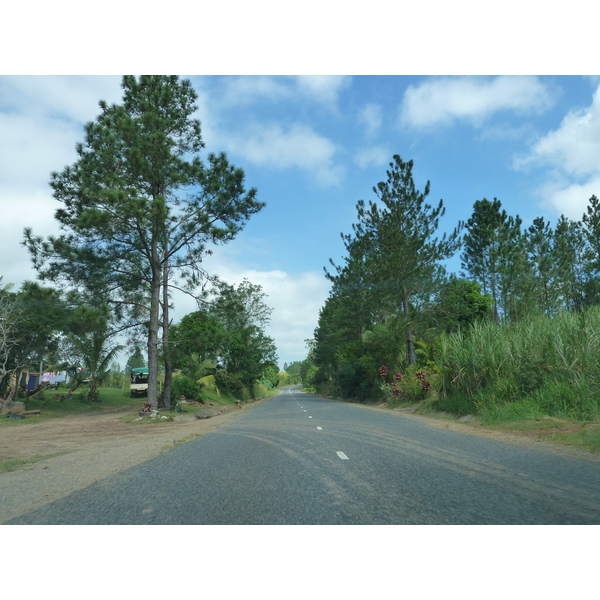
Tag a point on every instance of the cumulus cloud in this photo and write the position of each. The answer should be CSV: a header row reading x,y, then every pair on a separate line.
x,y
243,90
323,88
41,120
296,300
571,151
570,199
249,89
575,146
296,146
441,101
71,98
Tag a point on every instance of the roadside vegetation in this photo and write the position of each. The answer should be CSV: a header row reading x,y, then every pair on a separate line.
x,y
140,211
6,466
510,342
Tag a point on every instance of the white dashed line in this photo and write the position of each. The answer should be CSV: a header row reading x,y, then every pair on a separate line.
x,y
342,456
310,417
320,428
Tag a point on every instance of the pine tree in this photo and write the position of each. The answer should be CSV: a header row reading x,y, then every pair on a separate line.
x,y
590,225
139,208
540,239
568,262
393,248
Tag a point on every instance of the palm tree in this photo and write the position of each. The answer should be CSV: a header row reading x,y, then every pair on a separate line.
x,y
90,344
96,355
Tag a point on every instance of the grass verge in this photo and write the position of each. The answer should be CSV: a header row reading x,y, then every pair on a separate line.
x,y
13,464
587,438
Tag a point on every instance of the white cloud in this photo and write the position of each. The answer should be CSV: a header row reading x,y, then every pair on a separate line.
x,y
249,89
323,88
571,151
298,146
440,101
295,299
236,91
574,147
41,120
372,156
371,117
571,200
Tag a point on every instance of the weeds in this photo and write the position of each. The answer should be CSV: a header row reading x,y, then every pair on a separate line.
x,y
9,465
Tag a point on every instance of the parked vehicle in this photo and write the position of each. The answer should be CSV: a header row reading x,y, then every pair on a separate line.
x,y
139,382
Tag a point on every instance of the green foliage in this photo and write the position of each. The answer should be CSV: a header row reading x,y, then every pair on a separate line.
x,y
136,360
89,346
139,207
185,386
412,385
378,306
31,322
553,362
588,438
229,338
459,304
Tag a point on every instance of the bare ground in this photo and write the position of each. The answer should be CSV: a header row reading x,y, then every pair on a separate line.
x,y
78,450
82,449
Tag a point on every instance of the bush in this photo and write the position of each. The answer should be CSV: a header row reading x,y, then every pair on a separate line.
x,y
357,381
183,385
411,386
233,384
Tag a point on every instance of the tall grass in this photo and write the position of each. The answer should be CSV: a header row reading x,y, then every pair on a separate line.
x,y
552,363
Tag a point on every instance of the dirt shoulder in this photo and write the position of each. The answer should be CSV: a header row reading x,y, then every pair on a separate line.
x,y
80,450
539,438
535,437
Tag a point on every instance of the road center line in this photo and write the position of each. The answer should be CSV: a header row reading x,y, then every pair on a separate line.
x,y
342,456
320,428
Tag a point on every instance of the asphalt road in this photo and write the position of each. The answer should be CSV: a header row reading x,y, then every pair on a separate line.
x,y
298,459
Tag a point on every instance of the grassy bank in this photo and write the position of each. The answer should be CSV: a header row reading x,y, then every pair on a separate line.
x,y
524,371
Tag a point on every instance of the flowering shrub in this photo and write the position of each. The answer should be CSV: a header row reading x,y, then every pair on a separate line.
x,y
405,387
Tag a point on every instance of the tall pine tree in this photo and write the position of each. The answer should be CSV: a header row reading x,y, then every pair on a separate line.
x,y
139,207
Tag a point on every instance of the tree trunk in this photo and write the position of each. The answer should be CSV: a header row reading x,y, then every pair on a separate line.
x,y
12,397
410,344
153,330
93,393
165,340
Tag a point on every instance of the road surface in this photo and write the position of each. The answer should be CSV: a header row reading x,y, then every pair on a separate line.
x,y
299,459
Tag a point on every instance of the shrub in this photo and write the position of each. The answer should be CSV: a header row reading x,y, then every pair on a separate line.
x,y
412,386
185,386
356,380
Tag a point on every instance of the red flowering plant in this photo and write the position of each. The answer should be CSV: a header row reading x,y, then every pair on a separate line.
x,y
411,386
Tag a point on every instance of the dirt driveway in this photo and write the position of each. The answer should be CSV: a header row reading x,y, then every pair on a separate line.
x,y
82,449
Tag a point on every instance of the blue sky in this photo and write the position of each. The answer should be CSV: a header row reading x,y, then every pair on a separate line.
x,y
313,146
